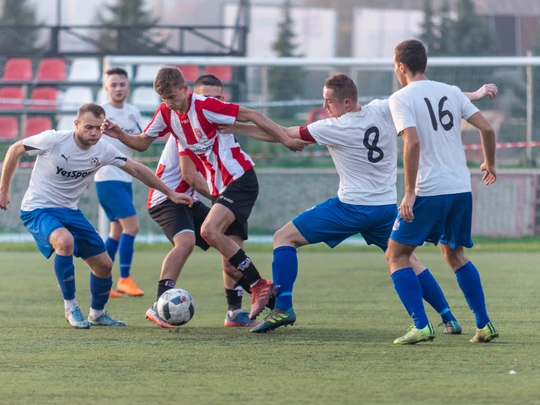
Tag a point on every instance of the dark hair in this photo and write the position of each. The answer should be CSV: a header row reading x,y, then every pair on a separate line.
x,y
413,54
343,87
116,71
208,80
95,109
167,78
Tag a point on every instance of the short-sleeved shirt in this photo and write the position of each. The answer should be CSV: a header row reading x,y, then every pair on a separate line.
x,y
63,170
196,131
127,118
169,172
436,110
363,147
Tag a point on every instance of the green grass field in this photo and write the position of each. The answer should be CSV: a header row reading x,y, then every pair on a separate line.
x,y
339,352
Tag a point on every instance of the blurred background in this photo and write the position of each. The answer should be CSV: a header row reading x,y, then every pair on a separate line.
x,y
274,55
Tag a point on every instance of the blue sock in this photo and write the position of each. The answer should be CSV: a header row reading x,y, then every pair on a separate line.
x,y
100,289
433,295
65,273
284,272
468,279
112,246
410,292
125,251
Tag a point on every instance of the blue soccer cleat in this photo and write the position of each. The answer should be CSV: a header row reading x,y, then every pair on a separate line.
x,y
276,318
105,320
76,319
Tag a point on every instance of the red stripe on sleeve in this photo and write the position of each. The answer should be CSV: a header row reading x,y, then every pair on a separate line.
x,y
305,135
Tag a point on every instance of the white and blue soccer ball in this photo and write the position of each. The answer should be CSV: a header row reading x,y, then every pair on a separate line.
x,y
176,307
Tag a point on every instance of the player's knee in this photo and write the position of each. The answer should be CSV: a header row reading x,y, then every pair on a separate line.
x,y
209,233
132,229
64,245
285,236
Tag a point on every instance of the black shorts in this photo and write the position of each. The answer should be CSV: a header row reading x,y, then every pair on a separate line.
x,y
240,197
175,218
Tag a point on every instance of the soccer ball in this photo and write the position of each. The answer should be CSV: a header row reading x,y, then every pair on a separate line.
x,y
176,307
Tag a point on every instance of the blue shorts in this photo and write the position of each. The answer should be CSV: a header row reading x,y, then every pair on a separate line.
x,y
333,221
42,222
116,198
443,218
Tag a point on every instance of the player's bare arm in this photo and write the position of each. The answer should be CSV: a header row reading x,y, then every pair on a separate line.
x,y
140,142
11,161
249,130
489,145
411,157
147,176
193,177
487,90
271,128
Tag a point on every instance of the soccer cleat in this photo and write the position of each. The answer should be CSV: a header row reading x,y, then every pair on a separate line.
x,y
115,294
153,316
260,295
486,334
275,319
271,302
127,286
415,335
105,320
76,319
240,320
452,328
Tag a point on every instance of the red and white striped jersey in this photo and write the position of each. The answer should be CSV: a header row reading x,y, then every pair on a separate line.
x,y
196,131
169,172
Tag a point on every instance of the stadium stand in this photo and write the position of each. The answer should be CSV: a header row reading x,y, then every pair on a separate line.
x,y
18,70
84,70
45,98
145,98
224,73
65,123
146,73
51,69
75,96
9,128
191,73
36,125
102,96
11,98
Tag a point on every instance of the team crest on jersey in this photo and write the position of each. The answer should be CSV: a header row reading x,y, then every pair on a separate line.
x,y
131,117
198,133
94,161
396,225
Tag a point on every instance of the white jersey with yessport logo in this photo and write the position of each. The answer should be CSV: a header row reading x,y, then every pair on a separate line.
x,y
196,131
127,118
169,172
63,170
436,110
364,150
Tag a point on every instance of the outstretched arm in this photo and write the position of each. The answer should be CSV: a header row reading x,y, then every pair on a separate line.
x,y
147,176
140,142
253,131
13,155
193,177
487,90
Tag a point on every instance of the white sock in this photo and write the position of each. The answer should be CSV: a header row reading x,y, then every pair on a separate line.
x,y
70,305
233,314
96,313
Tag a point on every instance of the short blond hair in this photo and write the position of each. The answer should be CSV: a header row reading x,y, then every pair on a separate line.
x,y
168,78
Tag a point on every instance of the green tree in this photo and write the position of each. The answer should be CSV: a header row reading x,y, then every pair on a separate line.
x,y
470,32
285,82
14,39
430,34
136,40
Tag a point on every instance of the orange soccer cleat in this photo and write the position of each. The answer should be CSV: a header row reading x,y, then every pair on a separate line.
x,y
260,295
128,286
115,294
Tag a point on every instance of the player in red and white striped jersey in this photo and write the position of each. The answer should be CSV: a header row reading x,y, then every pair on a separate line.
x,y
193,120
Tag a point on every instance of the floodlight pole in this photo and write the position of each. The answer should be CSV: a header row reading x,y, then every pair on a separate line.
x,y
529,115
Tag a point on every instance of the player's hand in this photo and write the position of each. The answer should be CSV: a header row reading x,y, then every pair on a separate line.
x,y
406,207
490,176
487,90
226,129
4,200
181,198
295,144
110,128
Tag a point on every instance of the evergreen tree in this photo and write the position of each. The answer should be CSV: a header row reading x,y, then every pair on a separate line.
x,y
470,32
14,39
446,46
430,35
285,82
131,41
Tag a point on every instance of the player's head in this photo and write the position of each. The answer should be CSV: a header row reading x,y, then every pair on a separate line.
x,y
172,88
88,124
116,84
209,86
410,59
340,95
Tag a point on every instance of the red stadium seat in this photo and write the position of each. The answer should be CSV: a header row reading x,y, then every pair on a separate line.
x,y
9,128
36,125
223,73
19,70
316,114
190,72
44,94
52,69
14,93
